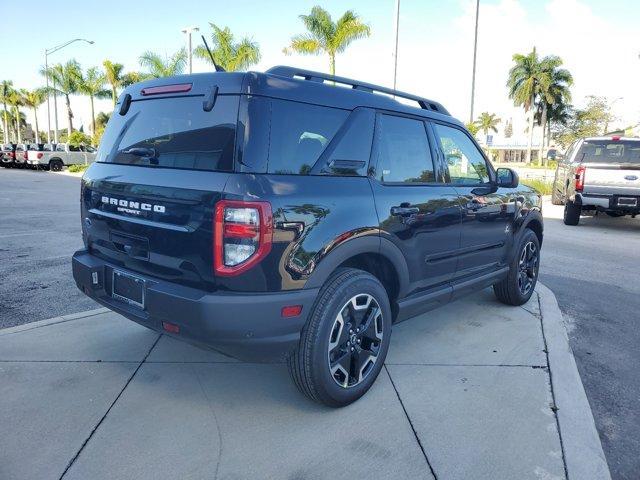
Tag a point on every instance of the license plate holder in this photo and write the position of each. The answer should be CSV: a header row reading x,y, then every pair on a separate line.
x,y
627,202
128,288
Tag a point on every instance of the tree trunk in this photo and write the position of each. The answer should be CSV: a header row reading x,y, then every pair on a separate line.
x,y
93,117
541,159
35,116
530,139
6,123
332,63
69,117
114,94
17,114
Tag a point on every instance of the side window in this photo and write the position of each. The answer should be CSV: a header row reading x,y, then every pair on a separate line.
x,y
60,148
465,162
352,150
402,151
299,134
73,148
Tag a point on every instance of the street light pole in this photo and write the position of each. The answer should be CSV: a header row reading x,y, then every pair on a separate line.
x,y
396,25
189,31
48,52
475,51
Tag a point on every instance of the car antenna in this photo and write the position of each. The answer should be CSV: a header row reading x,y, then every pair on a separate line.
x,y
217,67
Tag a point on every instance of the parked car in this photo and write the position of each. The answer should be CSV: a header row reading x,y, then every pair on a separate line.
x,y
278,224
599,174
32,147
20,160
62,155
8,154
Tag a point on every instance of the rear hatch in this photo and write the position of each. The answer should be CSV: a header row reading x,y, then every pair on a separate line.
x,y
611,166
162,164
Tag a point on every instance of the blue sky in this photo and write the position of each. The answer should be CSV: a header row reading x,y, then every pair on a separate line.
x,y
435,42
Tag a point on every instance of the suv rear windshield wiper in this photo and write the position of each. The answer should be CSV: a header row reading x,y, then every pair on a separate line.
x,y
149,153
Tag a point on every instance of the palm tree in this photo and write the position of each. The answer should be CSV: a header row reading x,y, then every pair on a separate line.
x,y
488,121
66,79
326,36
164,67
554,93
92,84
5,91
16,101
228,54
113,76
524,82
33,99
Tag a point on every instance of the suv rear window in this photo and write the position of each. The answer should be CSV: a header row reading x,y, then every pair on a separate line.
x,y
299,134
173,133
609,151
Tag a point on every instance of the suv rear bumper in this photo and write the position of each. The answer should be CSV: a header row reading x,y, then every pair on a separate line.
x,y
246,326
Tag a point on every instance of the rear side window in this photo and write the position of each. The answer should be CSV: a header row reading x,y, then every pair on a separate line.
x,y
609,151
402,151
173,133
299,134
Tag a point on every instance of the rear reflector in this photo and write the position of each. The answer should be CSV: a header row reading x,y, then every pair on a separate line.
x,y
170,327
291,311
176,88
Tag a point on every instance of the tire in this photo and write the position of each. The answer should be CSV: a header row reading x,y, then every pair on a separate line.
x,y
516,289
349,298
571,213
56,165
555,196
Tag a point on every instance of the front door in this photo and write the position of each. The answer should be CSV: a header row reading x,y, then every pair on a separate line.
x,y
487,211
418,211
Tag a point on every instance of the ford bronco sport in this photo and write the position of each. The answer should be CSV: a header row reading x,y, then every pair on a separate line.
x,y
279,216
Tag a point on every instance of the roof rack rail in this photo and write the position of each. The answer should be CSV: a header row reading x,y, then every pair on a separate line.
x,y
319,77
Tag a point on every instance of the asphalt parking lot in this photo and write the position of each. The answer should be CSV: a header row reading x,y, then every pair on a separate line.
x,y
591,268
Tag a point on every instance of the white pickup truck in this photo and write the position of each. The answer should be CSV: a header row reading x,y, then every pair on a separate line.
x,y
56,157
600,174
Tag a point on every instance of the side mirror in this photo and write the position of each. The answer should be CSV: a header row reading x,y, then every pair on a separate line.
x,y
507,178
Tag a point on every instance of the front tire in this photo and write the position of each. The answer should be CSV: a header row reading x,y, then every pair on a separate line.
x,y
571,213
345,340
516,289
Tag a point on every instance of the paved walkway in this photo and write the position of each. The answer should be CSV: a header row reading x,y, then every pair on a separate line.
x,y
467,393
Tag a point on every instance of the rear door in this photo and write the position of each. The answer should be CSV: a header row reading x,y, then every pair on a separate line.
x,y
148,200
417,211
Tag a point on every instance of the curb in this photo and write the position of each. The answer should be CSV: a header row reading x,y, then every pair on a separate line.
x,y
584,457
53,321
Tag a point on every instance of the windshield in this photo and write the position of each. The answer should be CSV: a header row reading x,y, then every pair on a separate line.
x,y
173,133
609,151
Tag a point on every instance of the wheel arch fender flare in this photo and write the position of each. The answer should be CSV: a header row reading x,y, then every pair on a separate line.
x,y
357,246
533,220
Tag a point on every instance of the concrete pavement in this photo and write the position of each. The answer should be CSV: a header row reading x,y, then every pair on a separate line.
x,y
475,390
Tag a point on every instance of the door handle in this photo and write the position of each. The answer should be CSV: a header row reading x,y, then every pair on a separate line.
x,y
404,211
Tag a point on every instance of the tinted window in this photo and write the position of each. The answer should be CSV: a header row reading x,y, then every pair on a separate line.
x,y
465,162
173,133
609,151
60,147
73,148
353,147
402,151
299,134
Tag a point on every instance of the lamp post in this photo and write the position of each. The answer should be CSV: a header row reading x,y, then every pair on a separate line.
x,y
48,52
396,28
189,31
606,123
473,74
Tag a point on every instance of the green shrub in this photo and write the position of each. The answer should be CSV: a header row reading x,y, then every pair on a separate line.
x,y
77,168
542,187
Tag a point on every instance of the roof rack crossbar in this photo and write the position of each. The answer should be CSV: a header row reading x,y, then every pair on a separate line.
x,y
319,77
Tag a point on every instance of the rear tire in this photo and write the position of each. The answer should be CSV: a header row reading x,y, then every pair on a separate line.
x,y
56,165
571,213
516,289
345,341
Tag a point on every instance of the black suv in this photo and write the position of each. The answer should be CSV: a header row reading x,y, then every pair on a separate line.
x,y
280,216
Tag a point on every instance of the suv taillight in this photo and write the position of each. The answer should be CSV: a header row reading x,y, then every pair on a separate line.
x,y
39,155
242,235
580,171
